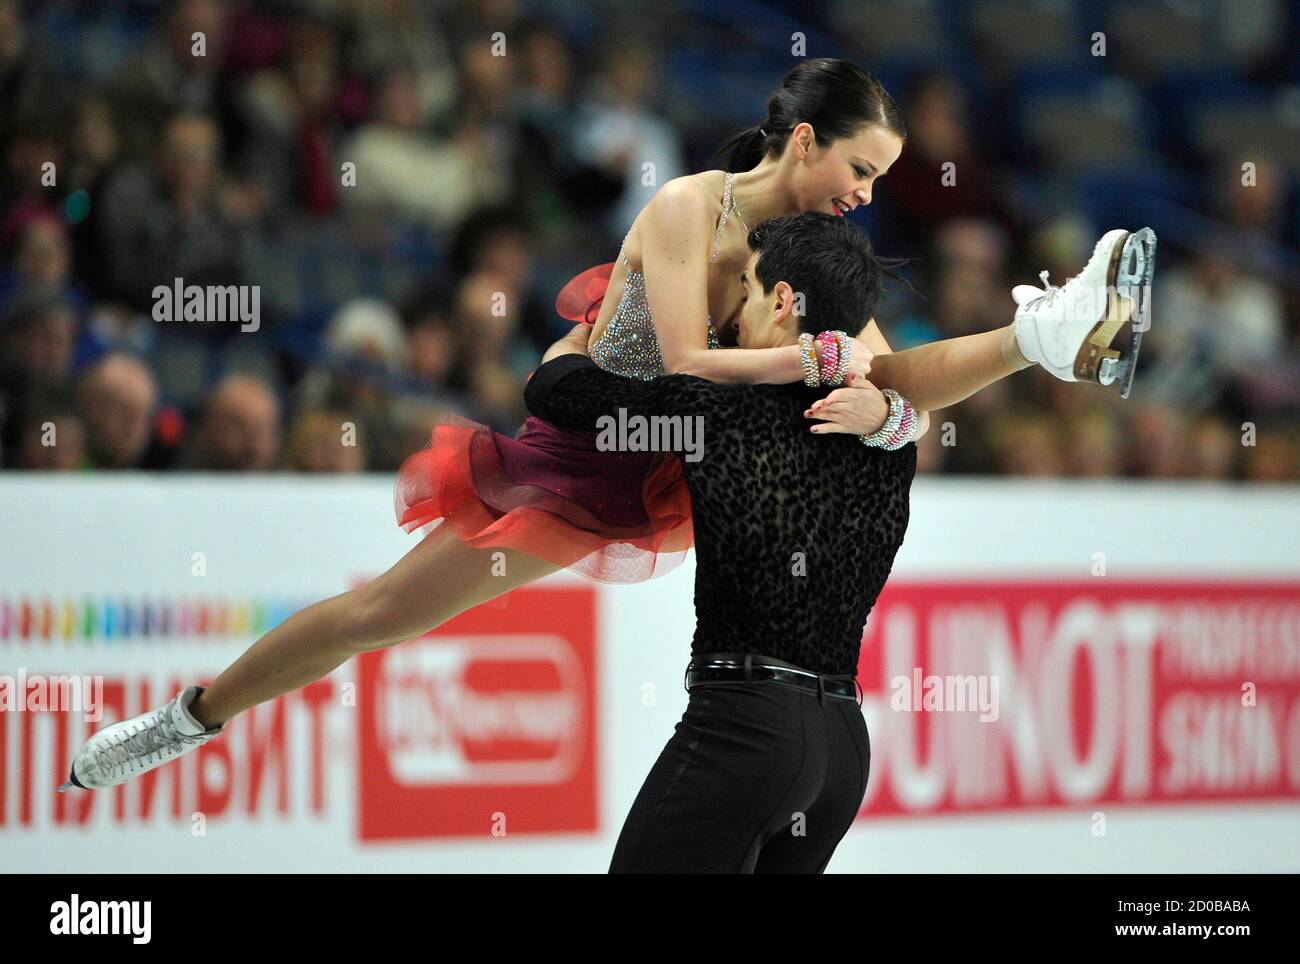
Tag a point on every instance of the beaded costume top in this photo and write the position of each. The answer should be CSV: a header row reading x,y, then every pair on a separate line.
x,y
628,345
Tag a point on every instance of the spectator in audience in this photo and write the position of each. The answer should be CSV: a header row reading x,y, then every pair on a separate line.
x,y
33,152
41,258
323,440
116,399
365,346
1094,444
566,184
1213,324
163,224
496,362
432,345
403,171
496,151
37,337
1273,456
942,174
1158,441
498,243
1214,449
239,430
52,436
619,130
404,33
29,79
293,117
179,69
94,145
1026,443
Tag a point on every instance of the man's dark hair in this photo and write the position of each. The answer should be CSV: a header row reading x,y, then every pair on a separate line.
x,y
827,259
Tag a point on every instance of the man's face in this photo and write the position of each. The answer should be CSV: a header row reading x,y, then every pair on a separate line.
x,y
767,319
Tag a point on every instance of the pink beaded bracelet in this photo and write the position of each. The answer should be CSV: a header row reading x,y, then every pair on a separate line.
x,y
903,434
830,357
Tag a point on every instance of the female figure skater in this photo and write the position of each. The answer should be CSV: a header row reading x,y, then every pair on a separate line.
x,y
768,767
500,512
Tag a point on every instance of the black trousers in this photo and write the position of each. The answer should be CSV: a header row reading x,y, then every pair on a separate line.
x,y
759,777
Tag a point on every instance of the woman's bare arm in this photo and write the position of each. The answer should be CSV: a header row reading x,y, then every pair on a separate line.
x,y
574,343
875,340
676,235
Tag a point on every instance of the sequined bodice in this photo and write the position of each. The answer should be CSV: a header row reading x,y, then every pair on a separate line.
x,y
628,345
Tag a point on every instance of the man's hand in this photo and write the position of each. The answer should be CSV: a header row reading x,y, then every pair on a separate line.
x,y
574,343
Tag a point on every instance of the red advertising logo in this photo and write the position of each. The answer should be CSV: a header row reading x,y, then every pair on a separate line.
x,y
1104,692
485,725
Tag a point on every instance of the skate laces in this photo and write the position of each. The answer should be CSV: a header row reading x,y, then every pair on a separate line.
x,y
1050,291
151,738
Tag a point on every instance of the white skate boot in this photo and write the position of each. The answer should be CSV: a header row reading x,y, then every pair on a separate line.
x,y
1071,330
123,750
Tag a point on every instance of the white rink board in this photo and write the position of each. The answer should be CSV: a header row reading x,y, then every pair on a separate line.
x,y
309,538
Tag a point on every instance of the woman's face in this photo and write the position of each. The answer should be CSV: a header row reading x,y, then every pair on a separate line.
x,y
837,178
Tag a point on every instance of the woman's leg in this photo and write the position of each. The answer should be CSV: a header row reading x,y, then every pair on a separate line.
x,y
943,373
438,579
1074,337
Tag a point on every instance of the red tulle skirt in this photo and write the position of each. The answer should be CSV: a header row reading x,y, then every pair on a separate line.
x,y
618,517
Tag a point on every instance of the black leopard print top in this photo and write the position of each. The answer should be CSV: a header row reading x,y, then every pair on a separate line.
x,y
795,532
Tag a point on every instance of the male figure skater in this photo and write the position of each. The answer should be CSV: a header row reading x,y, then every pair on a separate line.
x,y
769,764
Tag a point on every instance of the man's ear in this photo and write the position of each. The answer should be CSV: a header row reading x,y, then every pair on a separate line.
x,y
785,302
786,306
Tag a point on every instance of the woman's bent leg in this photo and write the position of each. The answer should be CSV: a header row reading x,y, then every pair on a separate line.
x,y
439,578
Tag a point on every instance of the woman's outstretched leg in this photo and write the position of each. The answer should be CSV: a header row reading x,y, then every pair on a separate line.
x,y
1088,330
435,581
439,578
944,373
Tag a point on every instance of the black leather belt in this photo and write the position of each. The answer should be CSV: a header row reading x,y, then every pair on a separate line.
x,y
753,667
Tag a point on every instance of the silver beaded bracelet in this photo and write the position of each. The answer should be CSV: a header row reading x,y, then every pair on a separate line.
x,y
808,358
881,436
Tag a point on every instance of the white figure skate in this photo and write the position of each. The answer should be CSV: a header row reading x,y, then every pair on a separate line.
x,y
123,750
1091,328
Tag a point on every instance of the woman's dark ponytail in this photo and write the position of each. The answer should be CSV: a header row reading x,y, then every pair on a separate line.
x,y
743,151
836,97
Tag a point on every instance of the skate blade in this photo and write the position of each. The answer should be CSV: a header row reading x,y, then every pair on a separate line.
x,y
1137,267
71,782
1110,354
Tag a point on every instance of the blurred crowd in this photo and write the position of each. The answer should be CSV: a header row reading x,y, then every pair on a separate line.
x,y
408,202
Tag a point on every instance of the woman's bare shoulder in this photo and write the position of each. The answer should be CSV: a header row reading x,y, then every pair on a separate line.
x,y
690,202
690,195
